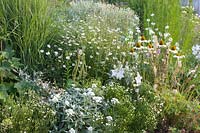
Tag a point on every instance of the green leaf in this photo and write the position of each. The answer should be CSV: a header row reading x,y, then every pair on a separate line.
x,y
3,95
25,85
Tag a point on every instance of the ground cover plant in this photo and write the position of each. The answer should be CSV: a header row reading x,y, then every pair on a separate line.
x,y
92,67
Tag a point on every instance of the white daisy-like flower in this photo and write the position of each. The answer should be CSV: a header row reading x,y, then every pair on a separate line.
x,y
41,51
56,53
60,49
67,57
49,46
167,27
47,53
152,15
64,66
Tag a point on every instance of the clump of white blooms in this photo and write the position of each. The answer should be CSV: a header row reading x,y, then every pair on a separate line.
x,y
196,51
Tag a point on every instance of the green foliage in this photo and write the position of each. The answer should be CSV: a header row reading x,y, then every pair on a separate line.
x,y
133,108
11,81
25,114
180,112
26,26
9,66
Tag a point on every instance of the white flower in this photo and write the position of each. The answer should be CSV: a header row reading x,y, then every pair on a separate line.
x,y
118,73
90,129
64,66
94,86
152,14
48,46
60,49
109,118
67,57
114,101
41,51
109,54
148,20
167,27
138,79
153,23
56,53
47,53
97,99
72,130
69,112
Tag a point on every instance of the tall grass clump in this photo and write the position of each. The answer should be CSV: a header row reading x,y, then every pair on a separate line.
x,y
28,26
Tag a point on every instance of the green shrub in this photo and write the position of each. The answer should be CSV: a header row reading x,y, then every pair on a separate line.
x,y
179,112
27,113
133,108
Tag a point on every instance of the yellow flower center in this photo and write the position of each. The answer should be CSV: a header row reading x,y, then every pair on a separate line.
x,y
150,45
132,50
143,38
138,44
173,47
161,42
